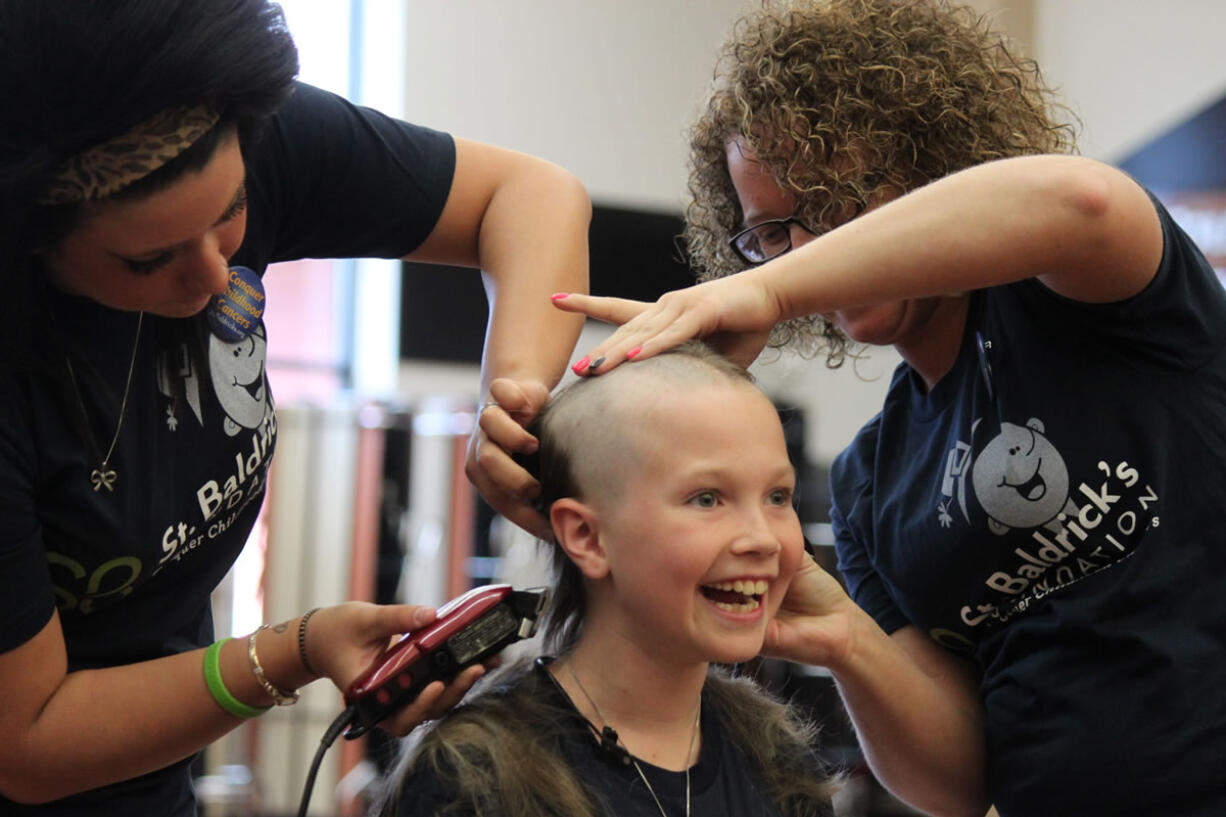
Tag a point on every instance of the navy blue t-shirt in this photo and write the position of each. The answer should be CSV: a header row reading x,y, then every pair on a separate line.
x,y
1052,510
131,564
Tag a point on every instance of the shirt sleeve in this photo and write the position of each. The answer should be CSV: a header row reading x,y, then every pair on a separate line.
x,y
330,179
1176,323
851,509
865,586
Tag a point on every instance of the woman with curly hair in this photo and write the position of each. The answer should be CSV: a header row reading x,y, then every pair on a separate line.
x,y
1029,529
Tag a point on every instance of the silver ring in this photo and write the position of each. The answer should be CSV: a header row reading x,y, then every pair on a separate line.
x,y
487,404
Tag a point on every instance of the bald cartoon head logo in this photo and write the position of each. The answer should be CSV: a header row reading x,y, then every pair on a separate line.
x,y
1020,479
238,379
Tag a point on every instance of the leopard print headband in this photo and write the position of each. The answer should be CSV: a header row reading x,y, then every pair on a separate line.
x,y
111,166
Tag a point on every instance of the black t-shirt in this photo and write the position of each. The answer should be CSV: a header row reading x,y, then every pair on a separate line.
x,y
1052,510
720,782
131,566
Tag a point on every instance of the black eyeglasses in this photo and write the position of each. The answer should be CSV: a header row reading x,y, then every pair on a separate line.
x,y
765,240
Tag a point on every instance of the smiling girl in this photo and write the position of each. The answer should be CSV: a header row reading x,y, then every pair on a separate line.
x,y
669,490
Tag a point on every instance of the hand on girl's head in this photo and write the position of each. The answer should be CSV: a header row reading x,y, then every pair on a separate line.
x,y
500,434
733,315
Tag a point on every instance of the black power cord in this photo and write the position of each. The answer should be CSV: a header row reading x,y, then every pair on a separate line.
x,y
481,623
325,743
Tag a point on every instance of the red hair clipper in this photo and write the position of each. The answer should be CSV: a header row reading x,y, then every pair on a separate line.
x,y
469,629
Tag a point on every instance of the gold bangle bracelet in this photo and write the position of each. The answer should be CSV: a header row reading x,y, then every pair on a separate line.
x,y
281,697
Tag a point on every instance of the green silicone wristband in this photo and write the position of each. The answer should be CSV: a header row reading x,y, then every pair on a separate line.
x,y
212,679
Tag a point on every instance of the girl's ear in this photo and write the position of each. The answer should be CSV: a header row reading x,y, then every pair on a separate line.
x,y
578,533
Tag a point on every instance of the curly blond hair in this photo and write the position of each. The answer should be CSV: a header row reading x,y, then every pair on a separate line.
x,y
845,100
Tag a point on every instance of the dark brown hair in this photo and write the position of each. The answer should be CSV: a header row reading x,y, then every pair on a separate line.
x,y
74,73
498,752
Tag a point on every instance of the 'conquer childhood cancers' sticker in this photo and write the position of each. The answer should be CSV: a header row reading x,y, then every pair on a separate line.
x,y
235,313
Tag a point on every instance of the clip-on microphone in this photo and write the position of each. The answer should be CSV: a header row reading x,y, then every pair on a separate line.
x,y
610,749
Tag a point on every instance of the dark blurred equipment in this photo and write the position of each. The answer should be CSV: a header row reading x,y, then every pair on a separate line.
x,y
635,254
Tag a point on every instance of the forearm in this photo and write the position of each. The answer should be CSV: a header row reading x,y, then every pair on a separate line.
x,y
101,726
533,243
921,733
1086,229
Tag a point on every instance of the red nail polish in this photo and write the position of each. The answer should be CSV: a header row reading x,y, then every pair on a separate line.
x,y
557,296
580,365
633,353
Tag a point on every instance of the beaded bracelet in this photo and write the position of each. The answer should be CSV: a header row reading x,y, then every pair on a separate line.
x,y
217,688
302,652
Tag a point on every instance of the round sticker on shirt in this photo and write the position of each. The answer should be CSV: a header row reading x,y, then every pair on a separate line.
x,y
235,313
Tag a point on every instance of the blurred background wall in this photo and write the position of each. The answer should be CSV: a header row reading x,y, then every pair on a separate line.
x,y
607,90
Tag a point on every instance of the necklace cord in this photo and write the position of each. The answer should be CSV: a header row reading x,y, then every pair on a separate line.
x,y
127,386
103,476
607,732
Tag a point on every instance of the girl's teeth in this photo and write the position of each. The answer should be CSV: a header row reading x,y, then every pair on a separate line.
x,y
748,607
747,587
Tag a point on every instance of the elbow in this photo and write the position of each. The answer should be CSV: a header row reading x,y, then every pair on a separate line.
x,y
575,193
965,807
1114,235
957,790
560,187
973,808
1105,205
26,791
1087,190
35,792
1069,193
30,782
948,805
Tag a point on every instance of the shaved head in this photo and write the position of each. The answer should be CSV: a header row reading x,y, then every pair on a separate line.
x,y
592,441
588,444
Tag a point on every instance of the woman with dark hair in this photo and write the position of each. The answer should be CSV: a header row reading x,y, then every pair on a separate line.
x,y
669,491
155,157
1029,529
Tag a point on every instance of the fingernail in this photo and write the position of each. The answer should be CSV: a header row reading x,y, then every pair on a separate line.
x,y
633,353
581,364
557,296
596,363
